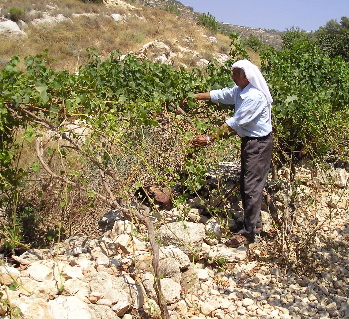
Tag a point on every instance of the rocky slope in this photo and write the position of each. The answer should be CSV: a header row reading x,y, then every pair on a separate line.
x,y
112,276
270,37
68,29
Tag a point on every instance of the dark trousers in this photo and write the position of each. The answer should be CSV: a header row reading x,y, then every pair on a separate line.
x,y
256,153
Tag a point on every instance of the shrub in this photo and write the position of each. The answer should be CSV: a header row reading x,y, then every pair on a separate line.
x,y
310,92
293,36
173,9
254,43
16,14
208,21
333,38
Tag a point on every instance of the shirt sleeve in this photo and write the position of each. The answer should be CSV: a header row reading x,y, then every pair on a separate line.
x,y
224,96
250,108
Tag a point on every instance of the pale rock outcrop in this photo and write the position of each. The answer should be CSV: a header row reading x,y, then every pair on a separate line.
x,y
186,236
118,17
202,63
10,28
156,51
49,20
119,3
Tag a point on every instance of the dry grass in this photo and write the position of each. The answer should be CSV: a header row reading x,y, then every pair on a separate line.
x,y
67,41
54,7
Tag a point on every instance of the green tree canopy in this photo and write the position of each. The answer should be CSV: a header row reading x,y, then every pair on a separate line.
x,y
293,36
333,38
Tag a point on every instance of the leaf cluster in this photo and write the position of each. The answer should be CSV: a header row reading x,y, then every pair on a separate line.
x,y
208,21
333,38
129,108
311,97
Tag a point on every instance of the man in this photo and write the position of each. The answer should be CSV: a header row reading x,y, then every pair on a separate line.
x,y
252,122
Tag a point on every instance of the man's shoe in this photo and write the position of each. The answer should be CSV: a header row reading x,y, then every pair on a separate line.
x,y
237,240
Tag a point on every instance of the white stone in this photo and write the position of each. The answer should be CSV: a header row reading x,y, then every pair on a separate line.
x,y
202,63
171,290
104,302
203,274
124,241
40,272
176,253
49,20
72,272
207,308
8,274
10,28
121,308
118,17
78,288
84,263
70,307
33,308
121,227
231,254
247,302
213,226
100,257
341,177
119,3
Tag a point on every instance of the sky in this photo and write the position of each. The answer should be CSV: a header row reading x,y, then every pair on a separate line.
x,y
308,15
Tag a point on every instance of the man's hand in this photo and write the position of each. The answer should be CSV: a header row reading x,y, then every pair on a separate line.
x,y
200,140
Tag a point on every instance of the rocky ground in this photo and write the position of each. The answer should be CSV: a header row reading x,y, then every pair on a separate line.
x,y
302,275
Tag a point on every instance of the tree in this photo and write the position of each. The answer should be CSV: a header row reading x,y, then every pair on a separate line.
x,y
311,98
208,21
333,38
254,43
293,36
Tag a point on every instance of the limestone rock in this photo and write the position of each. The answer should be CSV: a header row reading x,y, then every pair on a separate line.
x,y
9,27
70,307
185,235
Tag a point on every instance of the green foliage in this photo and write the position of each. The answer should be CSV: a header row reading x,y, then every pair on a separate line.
x,y
137,135
124,101
311,97
16,14
333,38
237,50
294,36
208,21
173,9
10,85
254,43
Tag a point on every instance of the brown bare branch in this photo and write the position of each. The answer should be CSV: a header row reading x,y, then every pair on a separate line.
x,y
112,201
39,153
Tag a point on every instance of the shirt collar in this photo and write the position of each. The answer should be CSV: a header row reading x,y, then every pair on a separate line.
x,y
245,90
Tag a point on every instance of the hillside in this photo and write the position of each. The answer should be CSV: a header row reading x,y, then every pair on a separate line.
x,y
270,37
67,28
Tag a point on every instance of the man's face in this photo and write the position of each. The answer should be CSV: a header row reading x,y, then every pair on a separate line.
x,y
239,78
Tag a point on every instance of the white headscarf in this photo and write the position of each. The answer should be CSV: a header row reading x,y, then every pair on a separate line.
x,y
255,77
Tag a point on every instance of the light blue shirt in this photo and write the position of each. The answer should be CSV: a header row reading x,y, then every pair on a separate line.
x,y
252,116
